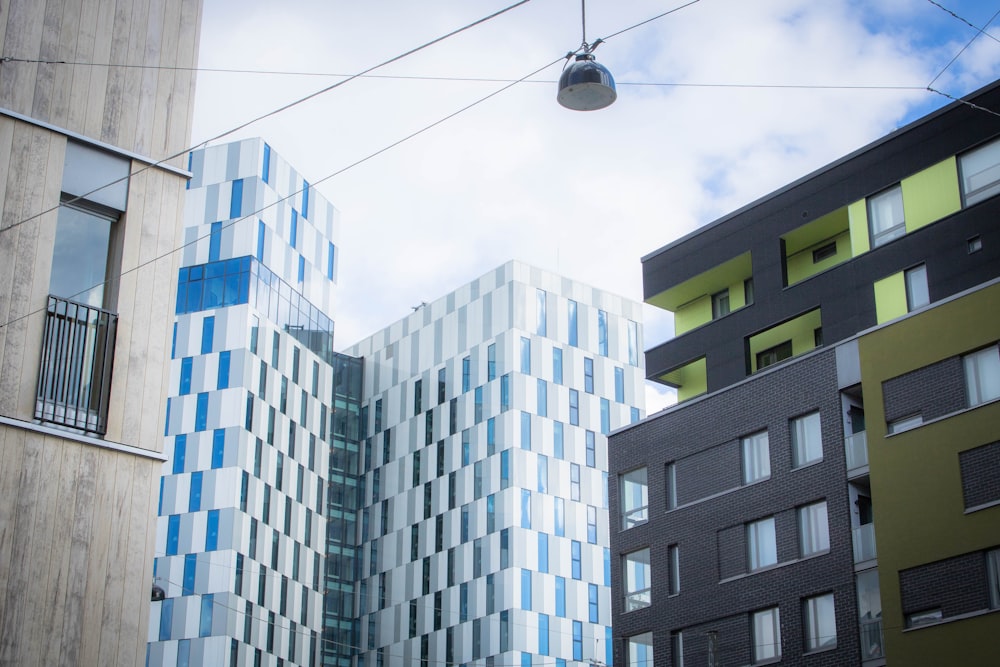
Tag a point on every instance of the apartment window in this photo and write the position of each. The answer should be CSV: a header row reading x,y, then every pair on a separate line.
x,y
417,396
825,251
633,343
543,552
885,216
676,649
525,508
671,484
543,639
558,444
591,444
904,423
819,623
637,580
639,651
543,398
525,355
574,407
980,173
588,375
442,385
807,440
634,494
574,481
982,375
993,574
591,524
593,608
571,316
526,430
766,635
773,355
559,509
720,304
814,533
466,374
974,244
540,313
619,385
674,558
557,365
543,474
577,640
762,550
917,294
491,362
575,559
756,458
602,333
605,416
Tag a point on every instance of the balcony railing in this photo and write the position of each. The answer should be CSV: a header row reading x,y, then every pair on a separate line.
x,y
638,599
74,377
634,517
856,447
871,639
864,543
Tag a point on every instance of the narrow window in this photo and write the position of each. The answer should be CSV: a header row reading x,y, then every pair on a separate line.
x,y
819,623
766,635
885,216
982,375
807,440
917,295
720,304
637,580
814,533
756,458
762,550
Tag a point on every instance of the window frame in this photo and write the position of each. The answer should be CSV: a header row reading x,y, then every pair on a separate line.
x,y
812,541
636,572
984,192
772,616
814,623
755,450
803,453
637,515
756,531
980,367
897,228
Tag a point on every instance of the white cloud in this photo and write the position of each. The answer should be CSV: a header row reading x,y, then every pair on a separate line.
x,y
585,194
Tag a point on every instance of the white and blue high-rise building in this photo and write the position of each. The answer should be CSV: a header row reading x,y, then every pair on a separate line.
x,y
484,522
242,531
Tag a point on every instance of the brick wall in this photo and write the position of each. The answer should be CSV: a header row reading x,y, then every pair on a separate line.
x,y
933,391
955,585
980,474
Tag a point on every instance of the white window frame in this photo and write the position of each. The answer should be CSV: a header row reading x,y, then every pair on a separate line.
x,y
980,173
982,375
807,440
756,457
766,629
917,293
762,544
886,217
819,623
814,529
637,575
634,493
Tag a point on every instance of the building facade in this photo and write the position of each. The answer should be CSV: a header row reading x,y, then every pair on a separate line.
x,y
483,522
242,534
778,513
91,195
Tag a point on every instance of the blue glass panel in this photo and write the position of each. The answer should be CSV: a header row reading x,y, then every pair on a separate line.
x,y
543,634
166,618
557,365
159,509
526,589
620,385
260,240
331,252
525,659
223,382
605,416
236,200
194,497
561,597
592,605
525,508
305,198
212,531
543,398
572,323
293,233
265,170
218,447
525,430
205,625
577,640
602,333
173,533
560,518
557,439
214,241
201,412
173,342
302,268
543,552
190,573
609,648
607,566
505,393
180,449
575,556
185,383
634,415
207,334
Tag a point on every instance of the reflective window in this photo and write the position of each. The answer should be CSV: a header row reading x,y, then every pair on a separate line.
x,y
980,173
766,635
572,323
634,498
885,216
819,623
814,534
756,458
639,651
540,313
526,355
762,547
602,333
807,440
917,293
637,580
982,375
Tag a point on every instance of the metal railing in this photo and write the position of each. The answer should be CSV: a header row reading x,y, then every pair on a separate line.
x,y
871,639
856,448
864,543
74,376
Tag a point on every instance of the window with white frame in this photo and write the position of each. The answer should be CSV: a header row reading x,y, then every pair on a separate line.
x,y
634,498
756,457
814,531
905,423
980,173
807,440
762,549
637,580
720,304
982,375
819,623
917,294
766,635
640,650
885,216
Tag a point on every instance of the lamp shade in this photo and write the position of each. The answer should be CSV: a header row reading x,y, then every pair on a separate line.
x,y
586,85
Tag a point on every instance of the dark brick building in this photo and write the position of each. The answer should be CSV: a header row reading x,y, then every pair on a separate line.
x,y
744,520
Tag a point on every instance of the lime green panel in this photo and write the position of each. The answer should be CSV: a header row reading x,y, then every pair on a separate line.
x,y
816,232
690,380
737,296
692,315
931,194
709,282
857,213
801,331
890,298
800,265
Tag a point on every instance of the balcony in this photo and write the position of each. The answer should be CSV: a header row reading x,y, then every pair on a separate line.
x,y
74,376
856,449
864,543
871,639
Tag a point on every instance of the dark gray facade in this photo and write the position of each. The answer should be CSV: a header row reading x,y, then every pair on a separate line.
x,y
702,439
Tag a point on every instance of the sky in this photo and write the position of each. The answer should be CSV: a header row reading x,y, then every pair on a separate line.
x,y
719,103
